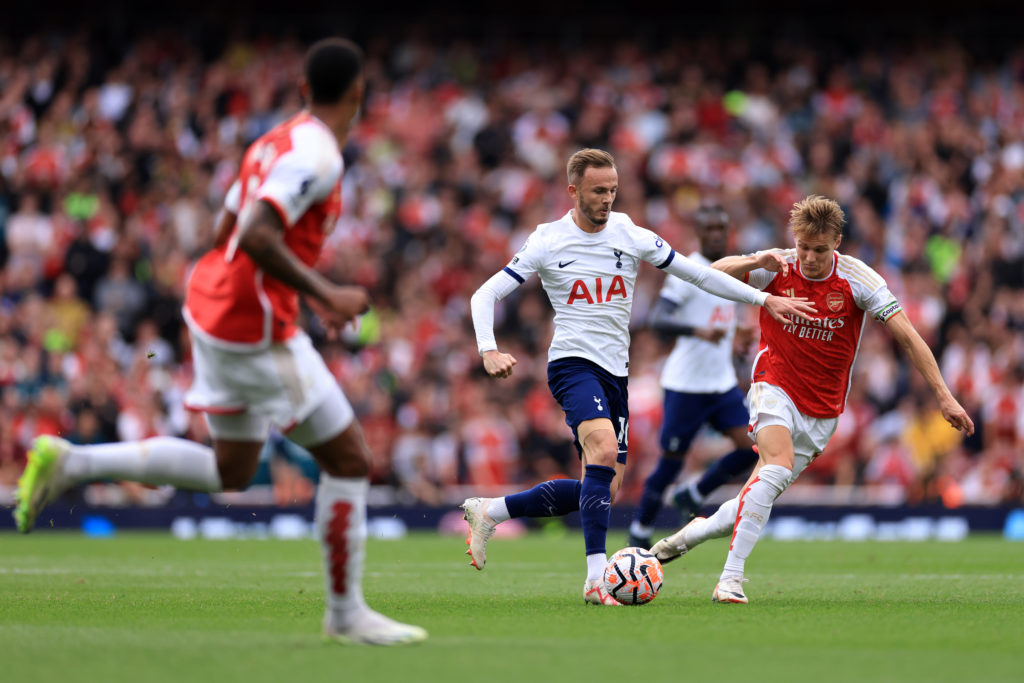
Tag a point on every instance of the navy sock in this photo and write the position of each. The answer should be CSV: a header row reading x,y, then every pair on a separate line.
x,y
596,506
548,499
729,466
662,476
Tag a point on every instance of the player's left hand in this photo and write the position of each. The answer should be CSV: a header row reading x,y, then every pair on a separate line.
x,y
956,415
779,307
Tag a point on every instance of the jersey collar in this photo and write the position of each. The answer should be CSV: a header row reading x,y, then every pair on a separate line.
x,y
591,235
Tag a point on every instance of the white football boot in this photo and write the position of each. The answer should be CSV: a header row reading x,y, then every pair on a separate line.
x,y
674,546
730,589
373,628
481,528
595,594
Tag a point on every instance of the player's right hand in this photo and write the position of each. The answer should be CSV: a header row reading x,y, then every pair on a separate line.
x,y
773,261
956,416
779,307
498,364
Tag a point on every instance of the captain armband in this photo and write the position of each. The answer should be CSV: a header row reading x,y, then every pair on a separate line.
x,y
888,311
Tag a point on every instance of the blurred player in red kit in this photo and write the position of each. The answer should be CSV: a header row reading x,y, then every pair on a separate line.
x,y
254,367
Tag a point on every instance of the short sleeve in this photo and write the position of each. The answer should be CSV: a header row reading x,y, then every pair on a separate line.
x,y
529,259
870,292
233,199
760,278
881,304
303,175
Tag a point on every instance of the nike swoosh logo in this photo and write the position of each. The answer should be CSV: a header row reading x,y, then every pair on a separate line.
x,y
563,265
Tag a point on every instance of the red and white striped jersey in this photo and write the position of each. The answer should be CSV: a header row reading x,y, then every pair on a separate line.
x,y
811,362
296,168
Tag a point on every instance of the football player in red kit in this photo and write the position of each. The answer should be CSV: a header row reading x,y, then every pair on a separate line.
x,y
254,367
801,375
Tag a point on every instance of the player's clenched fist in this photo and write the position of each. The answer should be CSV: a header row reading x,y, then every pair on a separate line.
x,y
498,364
340,304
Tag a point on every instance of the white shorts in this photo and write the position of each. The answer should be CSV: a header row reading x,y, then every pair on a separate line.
x,y
771,406
244,392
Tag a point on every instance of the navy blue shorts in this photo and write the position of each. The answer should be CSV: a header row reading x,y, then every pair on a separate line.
x,y
686,413
586,391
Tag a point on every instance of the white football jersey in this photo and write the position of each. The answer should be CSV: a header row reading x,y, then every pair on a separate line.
x,y
589,278
696,365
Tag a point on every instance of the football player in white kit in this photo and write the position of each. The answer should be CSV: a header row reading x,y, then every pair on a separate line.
x,y
699,382
587,262
254,367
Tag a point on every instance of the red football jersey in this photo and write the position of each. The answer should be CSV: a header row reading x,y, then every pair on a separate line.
x,y
811,362
296,168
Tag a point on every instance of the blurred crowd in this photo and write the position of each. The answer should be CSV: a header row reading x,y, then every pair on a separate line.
x,y
114,163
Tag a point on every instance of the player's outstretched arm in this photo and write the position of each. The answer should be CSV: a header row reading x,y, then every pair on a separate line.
x,y
261,236
923,359
496,363
716,281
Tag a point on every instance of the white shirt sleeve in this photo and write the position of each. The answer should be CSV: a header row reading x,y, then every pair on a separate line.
x,y
482,307
759,278
303,175
527,261
651,247
714,281
869,290
233,199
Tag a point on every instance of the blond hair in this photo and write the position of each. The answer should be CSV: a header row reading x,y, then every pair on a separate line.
x,y
816,216
584,159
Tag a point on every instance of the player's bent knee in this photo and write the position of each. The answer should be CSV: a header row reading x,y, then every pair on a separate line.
x,y
346,455
600,447
603,456
236,463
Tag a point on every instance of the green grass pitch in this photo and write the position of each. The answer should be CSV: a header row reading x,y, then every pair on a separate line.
x,y
146,607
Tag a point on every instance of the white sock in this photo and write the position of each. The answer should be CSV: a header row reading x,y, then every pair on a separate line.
x,y
341,527
595,566
755,505
498,511
638,529
716,526
695,494
160,460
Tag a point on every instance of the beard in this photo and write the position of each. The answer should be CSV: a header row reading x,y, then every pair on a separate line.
x,y
594,218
